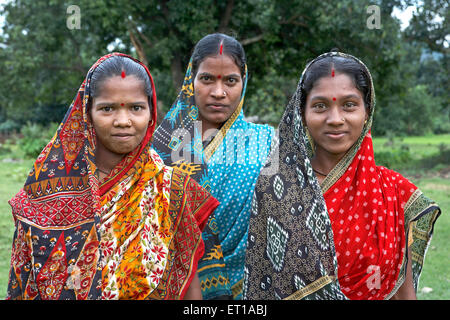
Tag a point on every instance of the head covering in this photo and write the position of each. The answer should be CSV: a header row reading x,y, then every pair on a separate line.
x,y
136,235
228,166
345,238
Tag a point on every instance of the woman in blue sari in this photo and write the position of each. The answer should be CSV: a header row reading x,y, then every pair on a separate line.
x,y
206,135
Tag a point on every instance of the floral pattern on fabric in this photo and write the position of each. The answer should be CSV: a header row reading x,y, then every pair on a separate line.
x,y
137,235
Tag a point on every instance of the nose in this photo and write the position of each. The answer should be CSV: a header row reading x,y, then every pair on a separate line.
x,y
122,119
335,117
218,91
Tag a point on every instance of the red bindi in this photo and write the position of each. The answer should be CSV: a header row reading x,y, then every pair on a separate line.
x,y
221,49
122,104
334,99
219,76
123,75
332,72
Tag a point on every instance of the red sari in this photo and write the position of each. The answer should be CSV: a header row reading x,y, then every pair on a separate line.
x,y
366,208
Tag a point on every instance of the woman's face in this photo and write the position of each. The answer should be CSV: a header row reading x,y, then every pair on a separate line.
x,y
335,114
120,115
217,89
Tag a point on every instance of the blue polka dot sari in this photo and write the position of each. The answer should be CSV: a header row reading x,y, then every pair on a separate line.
x,y
227,166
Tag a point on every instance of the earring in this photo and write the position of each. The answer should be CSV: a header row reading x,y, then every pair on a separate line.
x,y
310,139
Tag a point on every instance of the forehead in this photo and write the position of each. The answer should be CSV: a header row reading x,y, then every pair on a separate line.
x,y
117,87
220,64
340,84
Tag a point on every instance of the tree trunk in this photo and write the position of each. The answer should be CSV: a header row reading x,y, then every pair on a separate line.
x,y
176,72
225,19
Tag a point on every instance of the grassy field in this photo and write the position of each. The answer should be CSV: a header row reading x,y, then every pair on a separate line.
x,y
12,177
434,182
436,271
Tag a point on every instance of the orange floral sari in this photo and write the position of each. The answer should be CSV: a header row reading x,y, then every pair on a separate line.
x,y
136,235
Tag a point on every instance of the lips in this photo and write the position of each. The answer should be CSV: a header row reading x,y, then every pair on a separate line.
x,y
335,134
217,106
122,136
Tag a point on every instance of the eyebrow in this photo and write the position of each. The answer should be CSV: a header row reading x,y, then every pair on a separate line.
x,y
107,104
349,96
226,76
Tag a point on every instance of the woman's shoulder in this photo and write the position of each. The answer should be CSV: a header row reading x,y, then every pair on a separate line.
x,y
394,177
261,130
191,198
259,126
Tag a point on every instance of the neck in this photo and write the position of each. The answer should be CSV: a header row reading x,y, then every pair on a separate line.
x,y
324,162
208,130
105,159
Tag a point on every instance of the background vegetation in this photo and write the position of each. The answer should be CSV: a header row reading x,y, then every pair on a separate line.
x,y
43,62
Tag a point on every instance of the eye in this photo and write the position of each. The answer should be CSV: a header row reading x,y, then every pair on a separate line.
x,y
349,105
319,106
106,109
137,108
205,78
232,81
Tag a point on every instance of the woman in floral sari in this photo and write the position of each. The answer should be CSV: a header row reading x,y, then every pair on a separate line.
x,y
100,215
331,224
205,134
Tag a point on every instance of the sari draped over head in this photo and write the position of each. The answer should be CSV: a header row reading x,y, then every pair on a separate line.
x,y
136,235
345,238
227,165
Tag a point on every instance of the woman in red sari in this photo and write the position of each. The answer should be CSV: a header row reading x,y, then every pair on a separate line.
x,y
331,224
100,215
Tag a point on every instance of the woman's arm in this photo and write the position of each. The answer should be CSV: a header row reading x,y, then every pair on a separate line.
x,y
195,291
406,291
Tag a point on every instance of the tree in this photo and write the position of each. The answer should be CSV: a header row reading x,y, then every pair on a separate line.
x,y
45,61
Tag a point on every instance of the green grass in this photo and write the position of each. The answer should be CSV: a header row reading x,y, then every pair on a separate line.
x,y
436,271
429,169
434,182
12,178
419,147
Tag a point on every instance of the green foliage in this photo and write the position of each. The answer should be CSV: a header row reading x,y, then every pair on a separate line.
x,y
412,113
393,159
414,154
9,126
270,97
35,138
43,62
438,160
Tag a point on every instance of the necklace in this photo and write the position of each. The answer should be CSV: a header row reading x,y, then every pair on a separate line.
x,y
324,175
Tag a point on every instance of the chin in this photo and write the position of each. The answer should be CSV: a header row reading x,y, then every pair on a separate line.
x,y
221,120
123,150
338,151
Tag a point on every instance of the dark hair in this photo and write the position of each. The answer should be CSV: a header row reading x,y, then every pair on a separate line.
x,y
114,66
323,68
210,46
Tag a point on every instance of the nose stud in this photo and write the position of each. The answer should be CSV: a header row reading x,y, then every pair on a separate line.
x,y
116,123
224,94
